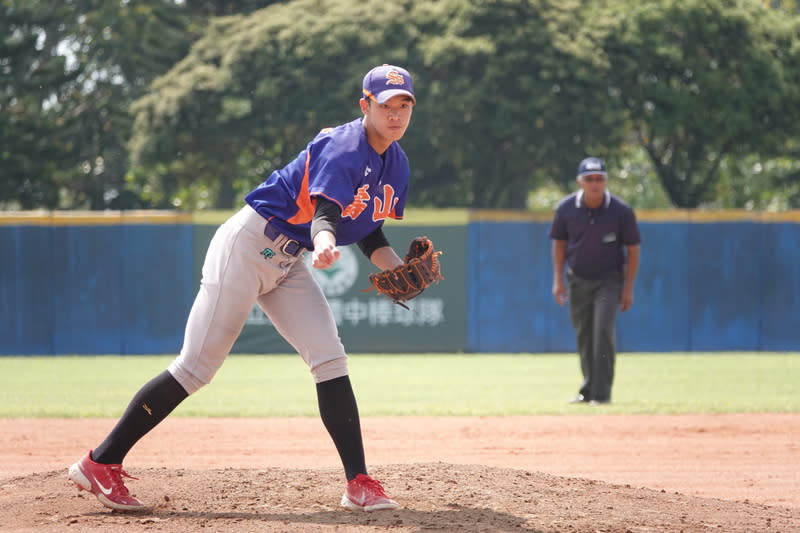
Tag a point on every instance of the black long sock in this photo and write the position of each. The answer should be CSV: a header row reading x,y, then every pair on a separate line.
x,y
154,401
337,406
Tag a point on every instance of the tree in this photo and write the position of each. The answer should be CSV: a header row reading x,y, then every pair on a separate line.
x,y
70,68
499,110
34,136
702,81
788,5
518,94
756,183
254,89
70,71
512,95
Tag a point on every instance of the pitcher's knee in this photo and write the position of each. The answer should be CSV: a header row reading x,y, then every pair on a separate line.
x,y
189,381
332,369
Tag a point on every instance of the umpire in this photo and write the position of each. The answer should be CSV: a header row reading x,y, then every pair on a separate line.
x,y
596,237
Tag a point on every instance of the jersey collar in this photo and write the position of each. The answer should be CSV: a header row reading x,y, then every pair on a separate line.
x,y
606,198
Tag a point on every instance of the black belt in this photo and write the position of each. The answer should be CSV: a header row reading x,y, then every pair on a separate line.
x,y
290,247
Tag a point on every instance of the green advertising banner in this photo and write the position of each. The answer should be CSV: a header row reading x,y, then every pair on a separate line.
x,y
435,322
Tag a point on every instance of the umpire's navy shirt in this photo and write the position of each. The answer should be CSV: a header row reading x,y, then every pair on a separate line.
x,y
595,237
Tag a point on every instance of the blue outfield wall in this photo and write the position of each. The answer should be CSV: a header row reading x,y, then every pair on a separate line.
x,y
99,284
707,282
724,285
780,288
123,283
509,304
26,291
660,318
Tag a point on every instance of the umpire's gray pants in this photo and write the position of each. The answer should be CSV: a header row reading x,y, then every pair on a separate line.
x,y
593,305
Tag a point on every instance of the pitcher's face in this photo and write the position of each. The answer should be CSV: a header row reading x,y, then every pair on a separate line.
x,y
389,120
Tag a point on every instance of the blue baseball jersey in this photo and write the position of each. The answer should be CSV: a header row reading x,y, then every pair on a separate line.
x,y
341,166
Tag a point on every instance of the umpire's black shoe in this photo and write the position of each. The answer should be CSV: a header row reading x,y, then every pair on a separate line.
x,y
600,402
580,398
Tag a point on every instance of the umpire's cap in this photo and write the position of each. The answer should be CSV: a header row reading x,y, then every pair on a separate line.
x,y
385,81
592,166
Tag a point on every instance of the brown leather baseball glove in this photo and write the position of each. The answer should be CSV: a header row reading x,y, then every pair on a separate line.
x,y
421,268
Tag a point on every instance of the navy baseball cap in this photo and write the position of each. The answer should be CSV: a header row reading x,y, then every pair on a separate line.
x,y
591,166
386,81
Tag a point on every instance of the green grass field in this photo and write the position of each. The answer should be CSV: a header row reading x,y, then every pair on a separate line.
x,y
420,384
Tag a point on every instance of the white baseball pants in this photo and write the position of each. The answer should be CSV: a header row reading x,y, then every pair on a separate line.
x,y
243,266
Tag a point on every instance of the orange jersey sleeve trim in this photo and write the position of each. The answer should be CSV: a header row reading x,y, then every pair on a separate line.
x,y
305,204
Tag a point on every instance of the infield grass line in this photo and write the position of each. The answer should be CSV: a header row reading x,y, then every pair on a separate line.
x,y
418,384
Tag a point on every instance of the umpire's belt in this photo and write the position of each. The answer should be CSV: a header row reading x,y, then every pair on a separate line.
x,y
289,246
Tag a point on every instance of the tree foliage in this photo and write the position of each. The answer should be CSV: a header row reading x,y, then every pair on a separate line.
x,y
36,137
70,72
254,89
497,109
703,80
516,97
156,103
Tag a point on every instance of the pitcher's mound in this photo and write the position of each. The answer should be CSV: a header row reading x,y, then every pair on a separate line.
x,y
434,497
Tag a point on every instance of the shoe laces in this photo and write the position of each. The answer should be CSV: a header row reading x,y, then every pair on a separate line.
x,y
370,484
117,473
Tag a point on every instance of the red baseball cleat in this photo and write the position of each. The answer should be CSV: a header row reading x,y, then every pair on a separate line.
x,y
366,494
105,482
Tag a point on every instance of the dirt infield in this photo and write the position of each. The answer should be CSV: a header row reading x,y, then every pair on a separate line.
x,y
577,474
